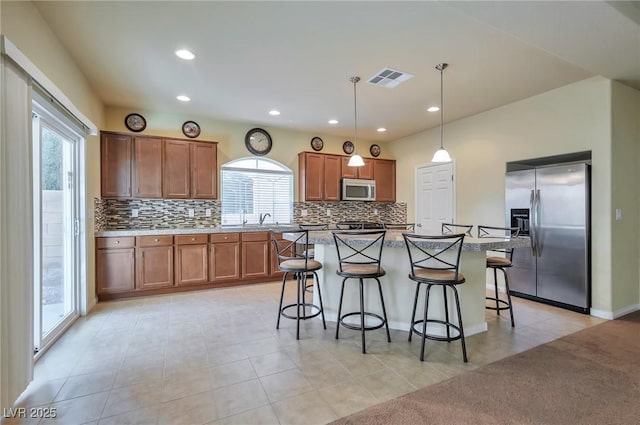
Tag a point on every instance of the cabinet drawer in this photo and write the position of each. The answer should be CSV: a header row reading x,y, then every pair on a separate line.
x,y
255,236
124,242
144,241
191,239
224,237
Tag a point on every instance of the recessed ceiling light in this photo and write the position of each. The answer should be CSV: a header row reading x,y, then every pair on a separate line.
x,y
183,98
332,122
382,130
185,54
433,109
274,112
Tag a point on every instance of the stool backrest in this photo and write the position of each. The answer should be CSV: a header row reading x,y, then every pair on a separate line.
x,y
445,256
452,228
316,226
351,247
499,232
410,227
290,249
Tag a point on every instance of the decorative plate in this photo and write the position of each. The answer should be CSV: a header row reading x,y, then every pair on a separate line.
x,y
317,144
191,129
135,122
347,147
374,150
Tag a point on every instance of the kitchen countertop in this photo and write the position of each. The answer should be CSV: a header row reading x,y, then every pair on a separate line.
x,y
191,231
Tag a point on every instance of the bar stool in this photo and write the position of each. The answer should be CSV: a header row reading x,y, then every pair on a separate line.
x,y
409,227
310,252
500,263
451,228
290,261
440,268
358,260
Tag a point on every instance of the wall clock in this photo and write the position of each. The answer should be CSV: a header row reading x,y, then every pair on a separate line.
x,y
347,147
317,144
258,141
191,129
135,122
374,150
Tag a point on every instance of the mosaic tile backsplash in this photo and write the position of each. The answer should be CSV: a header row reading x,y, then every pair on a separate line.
x,y
116,214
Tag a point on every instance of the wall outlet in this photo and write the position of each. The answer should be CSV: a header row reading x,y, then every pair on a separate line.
x,y
618,213
191,212
375,212
328,212
134,212
207,212
304,213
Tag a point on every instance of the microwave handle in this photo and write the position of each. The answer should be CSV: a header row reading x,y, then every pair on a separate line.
x,y
373,192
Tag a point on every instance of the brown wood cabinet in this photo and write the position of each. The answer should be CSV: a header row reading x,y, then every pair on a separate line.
x,y
319,176
255,255
147,166
191,260
115,265
190,170
224,256
154,262
115,165
332,174
204,175
384,172
177,175
364,172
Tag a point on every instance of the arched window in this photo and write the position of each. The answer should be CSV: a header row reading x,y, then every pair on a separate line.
x,y
252,187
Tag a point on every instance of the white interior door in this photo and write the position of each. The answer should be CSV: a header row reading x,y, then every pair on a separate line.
x,y
435,197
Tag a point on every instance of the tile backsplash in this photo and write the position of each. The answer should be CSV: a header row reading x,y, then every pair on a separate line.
x,y
117,214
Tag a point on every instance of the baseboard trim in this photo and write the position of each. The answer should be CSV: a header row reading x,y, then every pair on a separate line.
x,y
611,315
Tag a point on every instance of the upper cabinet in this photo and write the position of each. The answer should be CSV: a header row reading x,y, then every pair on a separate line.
x,y
319,176
153,167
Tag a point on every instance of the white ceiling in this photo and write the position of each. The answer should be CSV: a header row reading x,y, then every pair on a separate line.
x,y
297,56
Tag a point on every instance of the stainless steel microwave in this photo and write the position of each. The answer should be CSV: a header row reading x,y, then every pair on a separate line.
x,y
358,190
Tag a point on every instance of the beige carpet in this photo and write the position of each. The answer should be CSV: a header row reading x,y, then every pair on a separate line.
x,y
589,377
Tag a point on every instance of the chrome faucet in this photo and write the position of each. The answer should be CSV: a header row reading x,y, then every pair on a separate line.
x,y
263,217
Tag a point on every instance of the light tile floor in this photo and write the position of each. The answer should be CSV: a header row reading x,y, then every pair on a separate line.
x,y
215,357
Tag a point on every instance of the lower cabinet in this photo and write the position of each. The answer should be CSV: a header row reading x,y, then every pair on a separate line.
x,y
224,256
255,254
192,259
154,262
115,265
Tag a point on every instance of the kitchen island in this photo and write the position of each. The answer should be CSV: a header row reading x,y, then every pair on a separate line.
x,y
398,289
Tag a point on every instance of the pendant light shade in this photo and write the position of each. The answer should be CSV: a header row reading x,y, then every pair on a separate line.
x,y
441,154
355,160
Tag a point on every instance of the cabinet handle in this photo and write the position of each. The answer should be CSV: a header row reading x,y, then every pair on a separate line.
x,y
225,238
156,240
193,239
117,242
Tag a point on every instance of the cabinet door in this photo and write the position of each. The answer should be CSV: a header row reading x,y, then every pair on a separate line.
x,y
255,259
204,184
147,168
155,267
176,169
191,264
332,174
224,261
366,171
385,177
115,270
115,165
311,175
348,172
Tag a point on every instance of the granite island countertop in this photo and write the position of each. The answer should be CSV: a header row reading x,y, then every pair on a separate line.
x,y
193,231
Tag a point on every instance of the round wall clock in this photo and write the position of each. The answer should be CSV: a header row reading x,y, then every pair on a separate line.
x,y
374,150
191,129
258,141
347,147
317,144
135,122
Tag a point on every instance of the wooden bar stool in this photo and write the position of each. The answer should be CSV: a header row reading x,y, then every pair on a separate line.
x,y
440,268
310,252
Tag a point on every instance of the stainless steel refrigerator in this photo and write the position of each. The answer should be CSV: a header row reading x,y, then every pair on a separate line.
x,y
551,205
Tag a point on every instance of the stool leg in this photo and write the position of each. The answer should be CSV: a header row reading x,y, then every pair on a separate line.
x,y
316,286
299,283
413,314
424,323
506,287
364,351
495,282
384,310
284,279
464,347
446,309
340,307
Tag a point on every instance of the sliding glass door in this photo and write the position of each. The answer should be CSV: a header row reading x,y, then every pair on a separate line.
x,y
55,177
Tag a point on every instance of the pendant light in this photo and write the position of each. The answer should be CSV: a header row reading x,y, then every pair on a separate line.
x,y
355,160
441,154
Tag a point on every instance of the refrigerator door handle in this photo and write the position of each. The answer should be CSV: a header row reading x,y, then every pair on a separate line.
x,y
532,222
537,224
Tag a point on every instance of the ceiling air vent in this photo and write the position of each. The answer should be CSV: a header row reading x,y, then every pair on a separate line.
x,y
389,78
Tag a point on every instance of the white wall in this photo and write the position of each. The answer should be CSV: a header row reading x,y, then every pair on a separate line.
x,y
573,118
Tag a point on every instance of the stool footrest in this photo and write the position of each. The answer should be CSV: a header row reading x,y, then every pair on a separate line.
x,y
358,327
304,316
438,337
504,305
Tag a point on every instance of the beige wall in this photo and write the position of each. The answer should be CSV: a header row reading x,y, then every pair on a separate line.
x,y
24,27
625,136
569,119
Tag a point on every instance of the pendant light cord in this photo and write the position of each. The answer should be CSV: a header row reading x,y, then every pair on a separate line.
x,y
355,80
442,66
